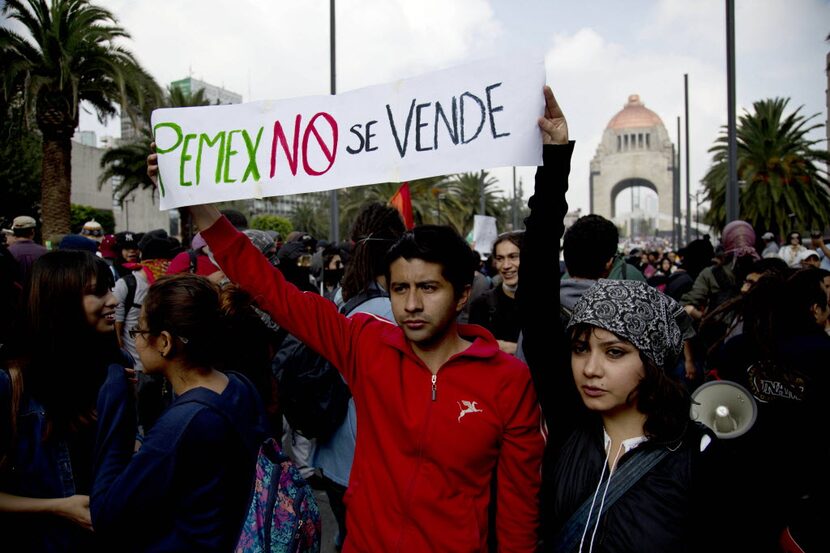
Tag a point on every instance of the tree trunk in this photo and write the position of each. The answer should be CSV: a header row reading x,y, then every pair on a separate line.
x,y
56,187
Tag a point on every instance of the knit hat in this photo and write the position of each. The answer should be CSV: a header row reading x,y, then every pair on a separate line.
x,y
78,242
260,239
93,229
264,243
635,312
156,248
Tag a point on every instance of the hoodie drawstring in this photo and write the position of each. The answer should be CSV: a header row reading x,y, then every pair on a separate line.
x,y
602,500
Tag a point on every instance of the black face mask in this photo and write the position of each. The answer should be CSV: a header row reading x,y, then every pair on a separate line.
x,y
332,277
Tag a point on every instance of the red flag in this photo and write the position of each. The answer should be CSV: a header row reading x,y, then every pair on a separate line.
x,y
402,201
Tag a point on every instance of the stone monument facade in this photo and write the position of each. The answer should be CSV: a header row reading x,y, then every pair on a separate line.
x,y
635,151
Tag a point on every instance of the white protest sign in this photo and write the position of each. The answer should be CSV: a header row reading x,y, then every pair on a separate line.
x,y
476,116
484,233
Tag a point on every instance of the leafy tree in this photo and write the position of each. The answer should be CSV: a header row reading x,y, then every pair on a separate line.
x,y
272,222
784,175
312,215
80,214
70,55
20,162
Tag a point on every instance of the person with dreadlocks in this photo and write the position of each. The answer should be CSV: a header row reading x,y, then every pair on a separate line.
x,y
364,290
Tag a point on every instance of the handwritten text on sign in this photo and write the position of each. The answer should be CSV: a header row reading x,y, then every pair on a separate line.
x,y
477,116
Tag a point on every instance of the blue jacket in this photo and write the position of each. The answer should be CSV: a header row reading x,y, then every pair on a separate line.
x,y
187,488
35,467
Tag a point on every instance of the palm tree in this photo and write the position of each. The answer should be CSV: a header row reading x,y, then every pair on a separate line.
x,y
467,189
784,179
127,161
69,56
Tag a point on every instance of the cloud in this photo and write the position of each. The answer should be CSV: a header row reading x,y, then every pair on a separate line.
x,y
281,49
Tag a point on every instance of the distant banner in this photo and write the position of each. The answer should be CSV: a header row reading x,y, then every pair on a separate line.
x,y
471,117
484,233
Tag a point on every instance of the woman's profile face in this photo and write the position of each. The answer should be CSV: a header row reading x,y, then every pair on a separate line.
x,y
99,308
149,357
606,370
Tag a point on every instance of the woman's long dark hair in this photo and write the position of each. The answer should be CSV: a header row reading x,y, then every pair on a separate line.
x,y
66,359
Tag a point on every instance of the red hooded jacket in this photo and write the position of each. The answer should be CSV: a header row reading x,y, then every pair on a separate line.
x,y
423,465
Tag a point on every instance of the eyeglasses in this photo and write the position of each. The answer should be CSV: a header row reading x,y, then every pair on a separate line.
x,y
135,331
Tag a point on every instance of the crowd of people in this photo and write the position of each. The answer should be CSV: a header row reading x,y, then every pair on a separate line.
x,y
484,410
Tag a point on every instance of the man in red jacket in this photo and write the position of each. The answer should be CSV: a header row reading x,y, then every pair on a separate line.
x,y
440,407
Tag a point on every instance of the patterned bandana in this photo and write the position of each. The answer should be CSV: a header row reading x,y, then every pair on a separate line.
x,y
635,312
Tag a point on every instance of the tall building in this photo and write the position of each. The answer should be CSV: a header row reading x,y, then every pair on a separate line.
x,y
635,151
214,94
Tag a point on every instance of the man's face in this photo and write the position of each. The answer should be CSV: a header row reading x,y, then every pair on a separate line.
x,y
812,261
507,262
130,254
423,301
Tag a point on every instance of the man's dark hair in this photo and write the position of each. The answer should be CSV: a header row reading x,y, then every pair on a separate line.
x,y
236,218
804,289
436,244
514,237
24,232
375,230
589,243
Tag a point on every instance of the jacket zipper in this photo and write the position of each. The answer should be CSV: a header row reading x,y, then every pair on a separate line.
x,y
423,437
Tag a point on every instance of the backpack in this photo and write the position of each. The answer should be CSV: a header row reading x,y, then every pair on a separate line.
x,y
313,396
283,516
129,300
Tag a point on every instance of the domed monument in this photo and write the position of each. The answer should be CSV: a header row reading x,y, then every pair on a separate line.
x,y
635,151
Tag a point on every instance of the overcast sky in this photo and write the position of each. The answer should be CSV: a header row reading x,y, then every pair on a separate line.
x,y
596,53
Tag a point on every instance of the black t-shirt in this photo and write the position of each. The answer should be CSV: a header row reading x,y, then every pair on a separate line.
x,y
498,313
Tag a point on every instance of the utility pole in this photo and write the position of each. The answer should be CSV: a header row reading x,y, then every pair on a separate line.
x,y
688,179
678,223
334,213
732,191
515,203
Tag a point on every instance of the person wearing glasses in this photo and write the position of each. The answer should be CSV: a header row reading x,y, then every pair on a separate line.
x,y
48,392
189,482
791,253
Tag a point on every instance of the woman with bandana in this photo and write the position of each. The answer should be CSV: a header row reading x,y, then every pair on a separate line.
x,y
625,468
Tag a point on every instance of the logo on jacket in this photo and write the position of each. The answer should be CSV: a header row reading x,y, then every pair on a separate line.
x,y
467,407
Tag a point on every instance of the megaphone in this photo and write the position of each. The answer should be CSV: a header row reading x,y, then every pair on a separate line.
x,y
727,408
